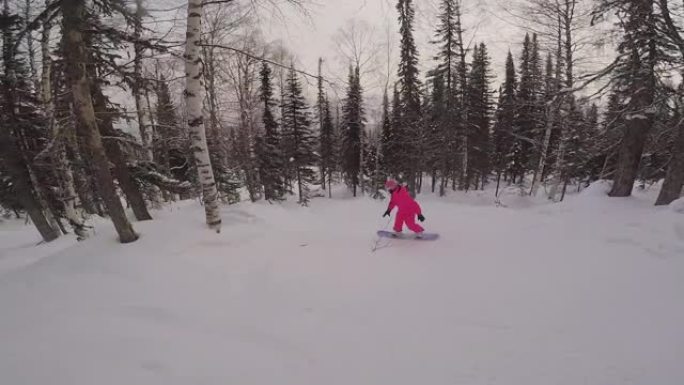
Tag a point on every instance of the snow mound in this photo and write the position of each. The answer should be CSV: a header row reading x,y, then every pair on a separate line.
x,y
598,189
678,205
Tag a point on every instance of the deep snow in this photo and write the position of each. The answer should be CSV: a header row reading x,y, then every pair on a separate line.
x,y
588,291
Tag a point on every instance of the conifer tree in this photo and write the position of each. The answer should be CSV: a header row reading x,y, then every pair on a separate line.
x,y
299,138
386,138
409,114
528,119
479,117
437,133
327,145
639,52
451,67
171,142
353,123
391,148
504,143
674,176
19,112
269,152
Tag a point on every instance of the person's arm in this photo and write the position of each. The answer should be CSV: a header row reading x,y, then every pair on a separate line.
x,y
391,206
419,211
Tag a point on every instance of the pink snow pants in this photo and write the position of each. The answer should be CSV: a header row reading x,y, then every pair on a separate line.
x,y
408,218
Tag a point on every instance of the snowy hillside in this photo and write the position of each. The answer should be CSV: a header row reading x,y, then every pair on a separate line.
x,y
584,292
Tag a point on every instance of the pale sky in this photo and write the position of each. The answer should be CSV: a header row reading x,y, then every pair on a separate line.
x,y
310,34
493,22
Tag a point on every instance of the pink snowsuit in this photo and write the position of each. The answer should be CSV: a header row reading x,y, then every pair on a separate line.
x,y
408,210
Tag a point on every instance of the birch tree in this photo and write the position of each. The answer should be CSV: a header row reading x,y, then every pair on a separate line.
x,y
73,23
65,175
193,102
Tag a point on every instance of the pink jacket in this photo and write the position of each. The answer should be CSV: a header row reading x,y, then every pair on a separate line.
x,y
404,202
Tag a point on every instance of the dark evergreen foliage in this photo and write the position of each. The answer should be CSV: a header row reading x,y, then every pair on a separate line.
x,y
299,140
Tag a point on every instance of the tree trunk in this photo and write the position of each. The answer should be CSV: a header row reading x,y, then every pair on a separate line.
x,y
319,106
674,179
565,187
434,180
498,183
636,132
73,12
142,105
559,168
113,150
539,172
42,196
193,101
138,86
330,185
63,171
29,46
10,151
22,187
640,111
464,170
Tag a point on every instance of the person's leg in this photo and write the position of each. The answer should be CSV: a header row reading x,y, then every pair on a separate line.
x,y
412,225
399,222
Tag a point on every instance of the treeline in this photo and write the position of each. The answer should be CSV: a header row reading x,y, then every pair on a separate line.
x,y
244,126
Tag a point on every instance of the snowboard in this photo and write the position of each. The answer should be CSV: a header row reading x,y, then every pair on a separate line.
x,y
393,235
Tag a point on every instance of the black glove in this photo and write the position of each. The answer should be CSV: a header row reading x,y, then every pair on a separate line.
x,y
421,217
386,213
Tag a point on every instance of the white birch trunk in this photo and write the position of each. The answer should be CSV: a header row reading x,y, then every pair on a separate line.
x,y
193,102
142,102
68,195
557,177
544,150
142,107
29,46
74,14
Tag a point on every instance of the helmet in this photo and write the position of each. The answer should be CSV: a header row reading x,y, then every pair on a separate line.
x,y
391,184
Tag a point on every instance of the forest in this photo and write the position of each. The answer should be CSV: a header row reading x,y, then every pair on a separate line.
x,y
105,108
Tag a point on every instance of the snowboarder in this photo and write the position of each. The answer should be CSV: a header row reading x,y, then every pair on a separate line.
x,y
408,208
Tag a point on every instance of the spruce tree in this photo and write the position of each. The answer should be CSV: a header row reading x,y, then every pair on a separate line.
x,y
171,141
327,145
299,138
461,109
479,117
320,109
634,74
269,152
528,121
549,146
353,123
19,112
392,149
452,69
408,126
448,39
576,156
386,138
503,141
437,132
674,176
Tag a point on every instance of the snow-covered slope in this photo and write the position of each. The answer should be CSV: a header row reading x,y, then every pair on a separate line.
x,y
584,292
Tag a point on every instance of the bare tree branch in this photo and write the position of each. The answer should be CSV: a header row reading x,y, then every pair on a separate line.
x,y
263,59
